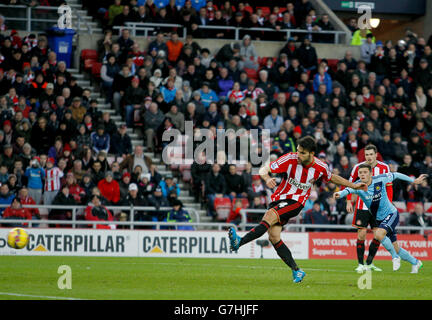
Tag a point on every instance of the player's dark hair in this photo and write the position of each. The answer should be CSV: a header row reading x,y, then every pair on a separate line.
x,y
308,143
365,165
371,147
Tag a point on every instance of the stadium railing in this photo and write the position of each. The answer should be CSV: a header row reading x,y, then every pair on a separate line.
x,y
339,36
78,210
160,225
29,18
244,225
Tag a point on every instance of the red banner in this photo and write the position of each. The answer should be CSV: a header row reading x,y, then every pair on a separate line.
x,y
335,245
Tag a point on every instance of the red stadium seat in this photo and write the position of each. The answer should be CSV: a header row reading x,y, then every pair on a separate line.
x,y
96,68
222,207
89,54
88,64
252,73
428,207
411,206
332,63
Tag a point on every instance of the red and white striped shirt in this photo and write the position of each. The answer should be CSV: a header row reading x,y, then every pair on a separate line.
x,y
380,168
52,179
299,179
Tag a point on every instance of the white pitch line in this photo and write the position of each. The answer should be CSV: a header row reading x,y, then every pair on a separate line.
x,y
37,296
231,266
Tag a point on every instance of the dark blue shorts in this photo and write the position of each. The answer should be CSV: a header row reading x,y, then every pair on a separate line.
x,y
389,224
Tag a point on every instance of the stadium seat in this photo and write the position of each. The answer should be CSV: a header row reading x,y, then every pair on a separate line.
x,y
89,54
332,63
88,64
252,74
411,206
428,207
249,9
96,68
222,207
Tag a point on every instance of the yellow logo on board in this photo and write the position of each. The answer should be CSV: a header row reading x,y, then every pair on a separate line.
x,y
40,248
156,249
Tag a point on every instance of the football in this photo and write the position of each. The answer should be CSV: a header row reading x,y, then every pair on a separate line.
x,y
17,238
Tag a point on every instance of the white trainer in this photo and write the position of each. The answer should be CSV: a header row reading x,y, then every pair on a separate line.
x,y
396,263
416,267
361,268
373,268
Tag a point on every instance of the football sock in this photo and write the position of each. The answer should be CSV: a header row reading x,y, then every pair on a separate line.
x,y
255,233
373,248
285,254
406,256
389,246
360,251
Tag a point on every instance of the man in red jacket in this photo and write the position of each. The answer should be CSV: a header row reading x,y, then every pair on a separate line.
x,y
16,211
109,188
26,199
95,211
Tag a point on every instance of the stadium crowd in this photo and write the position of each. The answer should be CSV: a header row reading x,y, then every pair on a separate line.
x,y
58,148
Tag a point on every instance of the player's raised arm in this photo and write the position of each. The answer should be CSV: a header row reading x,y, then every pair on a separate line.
x,y
336,179
403,177
264,173
343,193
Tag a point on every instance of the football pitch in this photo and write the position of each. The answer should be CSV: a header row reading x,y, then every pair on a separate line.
x,y
30,277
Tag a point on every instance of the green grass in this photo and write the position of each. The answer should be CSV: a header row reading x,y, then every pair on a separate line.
x,y
190,278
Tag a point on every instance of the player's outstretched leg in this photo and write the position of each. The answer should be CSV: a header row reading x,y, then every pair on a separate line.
x,y
361,236
285,253
373,248
416,263
387,243
268,220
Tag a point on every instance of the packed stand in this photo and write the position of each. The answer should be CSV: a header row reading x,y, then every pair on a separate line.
x,y
345,104
53,131
196,14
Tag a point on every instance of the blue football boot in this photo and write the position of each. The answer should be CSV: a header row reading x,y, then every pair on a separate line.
x,y
234,239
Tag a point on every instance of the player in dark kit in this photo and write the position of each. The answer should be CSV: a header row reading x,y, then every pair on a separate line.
x,y
300,171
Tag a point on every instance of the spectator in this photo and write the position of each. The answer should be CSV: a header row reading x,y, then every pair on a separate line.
x,y
121,144
157,199
248,55
52,182
174,46
63,198
234,184
35,174
316,215
5,197
215,187
170,189
273,121
16,212
100,140
133,98
153,118
95,211
27,200
418,218
178,214
135,199
109,188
